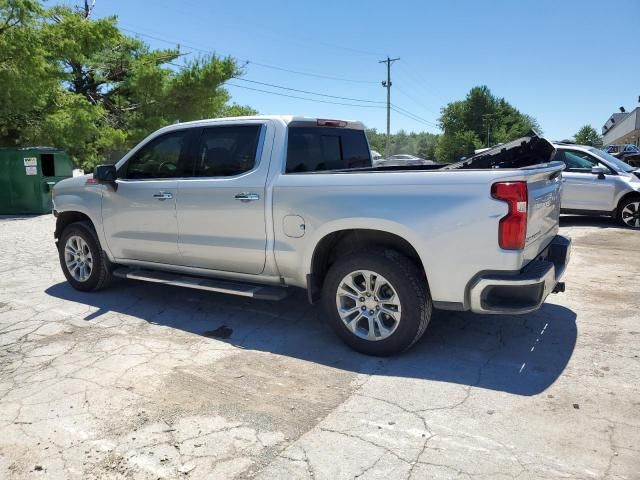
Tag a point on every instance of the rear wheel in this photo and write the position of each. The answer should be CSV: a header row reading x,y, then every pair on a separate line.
x,y
377,302
83,262
629,214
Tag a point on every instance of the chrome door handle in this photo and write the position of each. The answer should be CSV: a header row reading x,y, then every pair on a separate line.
x,y
163,195
247,197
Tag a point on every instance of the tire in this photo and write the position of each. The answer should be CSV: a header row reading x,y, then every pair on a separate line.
x,y
392,333
81,238
629,213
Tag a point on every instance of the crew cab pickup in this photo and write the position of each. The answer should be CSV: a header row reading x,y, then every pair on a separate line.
x,y
253,205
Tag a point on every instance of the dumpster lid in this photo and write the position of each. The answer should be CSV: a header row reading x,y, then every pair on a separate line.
x,y
55,149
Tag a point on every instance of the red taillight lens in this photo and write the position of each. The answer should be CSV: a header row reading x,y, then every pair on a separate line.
x,y
512,232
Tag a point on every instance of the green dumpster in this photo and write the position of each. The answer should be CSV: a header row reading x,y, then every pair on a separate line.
x,y
27,176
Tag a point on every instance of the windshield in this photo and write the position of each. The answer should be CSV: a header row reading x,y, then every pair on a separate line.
x,y
617,164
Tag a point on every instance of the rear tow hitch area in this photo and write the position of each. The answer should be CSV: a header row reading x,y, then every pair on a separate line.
x,y
559,288
523,291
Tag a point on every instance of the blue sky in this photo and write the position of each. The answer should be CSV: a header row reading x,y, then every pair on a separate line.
x,y
567,63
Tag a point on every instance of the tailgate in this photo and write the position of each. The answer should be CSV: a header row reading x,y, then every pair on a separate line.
x,y
544,187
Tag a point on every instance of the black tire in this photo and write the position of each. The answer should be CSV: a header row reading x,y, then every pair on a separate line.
x,y
410,285
100,276
634,204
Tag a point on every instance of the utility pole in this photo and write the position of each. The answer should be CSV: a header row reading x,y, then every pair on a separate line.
x,y
387,85
487,118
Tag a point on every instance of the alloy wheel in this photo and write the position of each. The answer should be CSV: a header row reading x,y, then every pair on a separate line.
x,y
78,258
631,214
368,305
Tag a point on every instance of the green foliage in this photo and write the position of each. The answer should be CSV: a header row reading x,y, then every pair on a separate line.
x,y
26,78
377,141
81,84
422,144
15,13
465,124
452,147
588,135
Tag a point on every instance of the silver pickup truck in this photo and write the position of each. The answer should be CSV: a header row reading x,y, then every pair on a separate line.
x,y
253,205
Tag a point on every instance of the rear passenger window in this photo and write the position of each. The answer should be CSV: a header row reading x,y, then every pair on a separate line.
x,y
316,149
577,161
227,151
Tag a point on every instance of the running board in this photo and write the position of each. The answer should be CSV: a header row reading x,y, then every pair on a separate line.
x,y
260,292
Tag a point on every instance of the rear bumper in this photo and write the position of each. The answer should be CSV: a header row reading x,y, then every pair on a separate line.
x,y
526,290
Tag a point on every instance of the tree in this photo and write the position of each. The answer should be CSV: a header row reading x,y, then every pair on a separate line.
x,y
588,135
26,77
93,90
480,120
454,146
377,141
421,144
14,13
426,147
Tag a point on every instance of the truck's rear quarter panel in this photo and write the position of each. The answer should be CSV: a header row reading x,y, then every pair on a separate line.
x,y
449,218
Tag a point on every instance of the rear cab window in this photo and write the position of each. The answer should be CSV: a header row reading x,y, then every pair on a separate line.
x,y
316,149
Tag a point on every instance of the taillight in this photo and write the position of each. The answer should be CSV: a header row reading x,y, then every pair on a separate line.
x,y
512,231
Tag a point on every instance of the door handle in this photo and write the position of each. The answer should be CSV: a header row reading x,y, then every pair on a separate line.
x,y
247,197
163,195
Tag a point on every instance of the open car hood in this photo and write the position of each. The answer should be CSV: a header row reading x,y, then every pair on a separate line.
x,y
525,151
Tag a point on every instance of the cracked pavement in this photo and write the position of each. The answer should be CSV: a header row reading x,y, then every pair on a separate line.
x,y
133,383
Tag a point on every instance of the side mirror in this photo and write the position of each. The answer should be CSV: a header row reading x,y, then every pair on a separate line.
x,y
598,171
106,174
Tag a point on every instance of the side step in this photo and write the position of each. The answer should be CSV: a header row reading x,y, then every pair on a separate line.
x,y
260,292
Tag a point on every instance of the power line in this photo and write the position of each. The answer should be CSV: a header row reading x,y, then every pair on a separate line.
x,y
423,120
413,118
374,103
307,91
250,62
415,99
416,76
396,108
289,88
271,32
309,74
302,98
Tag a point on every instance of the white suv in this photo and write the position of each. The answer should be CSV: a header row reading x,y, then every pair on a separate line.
x,y
597,183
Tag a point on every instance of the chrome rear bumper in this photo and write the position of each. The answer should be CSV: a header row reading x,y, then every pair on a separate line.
x,y
526,290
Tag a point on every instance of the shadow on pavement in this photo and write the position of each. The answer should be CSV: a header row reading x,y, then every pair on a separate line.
x,y
522,354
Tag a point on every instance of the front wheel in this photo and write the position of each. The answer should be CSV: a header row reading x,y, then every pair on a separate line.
x,y
377,302
630,213
83,262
